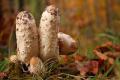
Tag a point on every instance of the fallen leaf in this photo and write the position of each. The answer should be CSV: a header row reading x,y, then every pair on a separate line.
x,y
90,67
100,55
111,60
112,54
2,75
104,48
79,58
63,59
116,47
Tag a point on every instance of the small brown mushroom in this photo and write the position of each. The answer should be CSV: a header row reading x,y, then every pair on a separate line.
x,y
36,66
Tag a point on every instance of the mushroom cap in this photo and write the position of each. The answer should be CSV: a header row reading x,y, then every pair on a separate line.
x,y
36,66
24,17
13,58
66,43
52,10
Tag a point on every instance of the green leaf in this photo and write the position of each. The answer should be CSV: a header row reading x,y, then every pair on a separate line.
x,y
3,65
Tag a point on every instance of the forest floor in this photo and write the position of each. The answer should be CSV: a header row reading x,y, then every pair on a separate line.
x,y
102,64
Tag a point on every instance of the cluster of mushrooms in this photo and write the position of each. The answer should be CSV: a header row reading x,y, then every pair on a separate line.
x,y
36,46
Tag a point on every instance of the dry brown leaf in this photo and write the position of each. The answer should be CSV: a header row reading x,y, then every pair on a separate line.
x,y
79,58
100,55
116,47
90,67
3,75
111,60
112,54
104,52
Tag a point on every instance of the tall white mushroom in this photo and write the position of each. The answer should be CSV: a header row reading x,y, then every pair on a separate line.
x,y
27,37
48,33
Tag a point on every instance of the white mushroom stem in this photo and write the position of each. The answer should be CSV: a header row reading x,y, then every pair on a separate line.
x,y
36,66
27,37
48,33
66,43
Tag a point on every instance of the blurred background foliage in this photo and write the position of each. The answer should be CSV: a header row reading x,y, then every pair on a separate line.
x,y
86,20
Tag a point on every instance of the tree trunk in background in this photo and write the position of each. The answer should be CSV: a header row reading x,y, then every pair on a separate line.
x,y
12,7
7,18
49,2
109,13
96,5
6,21
39,8
21,5
12,36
